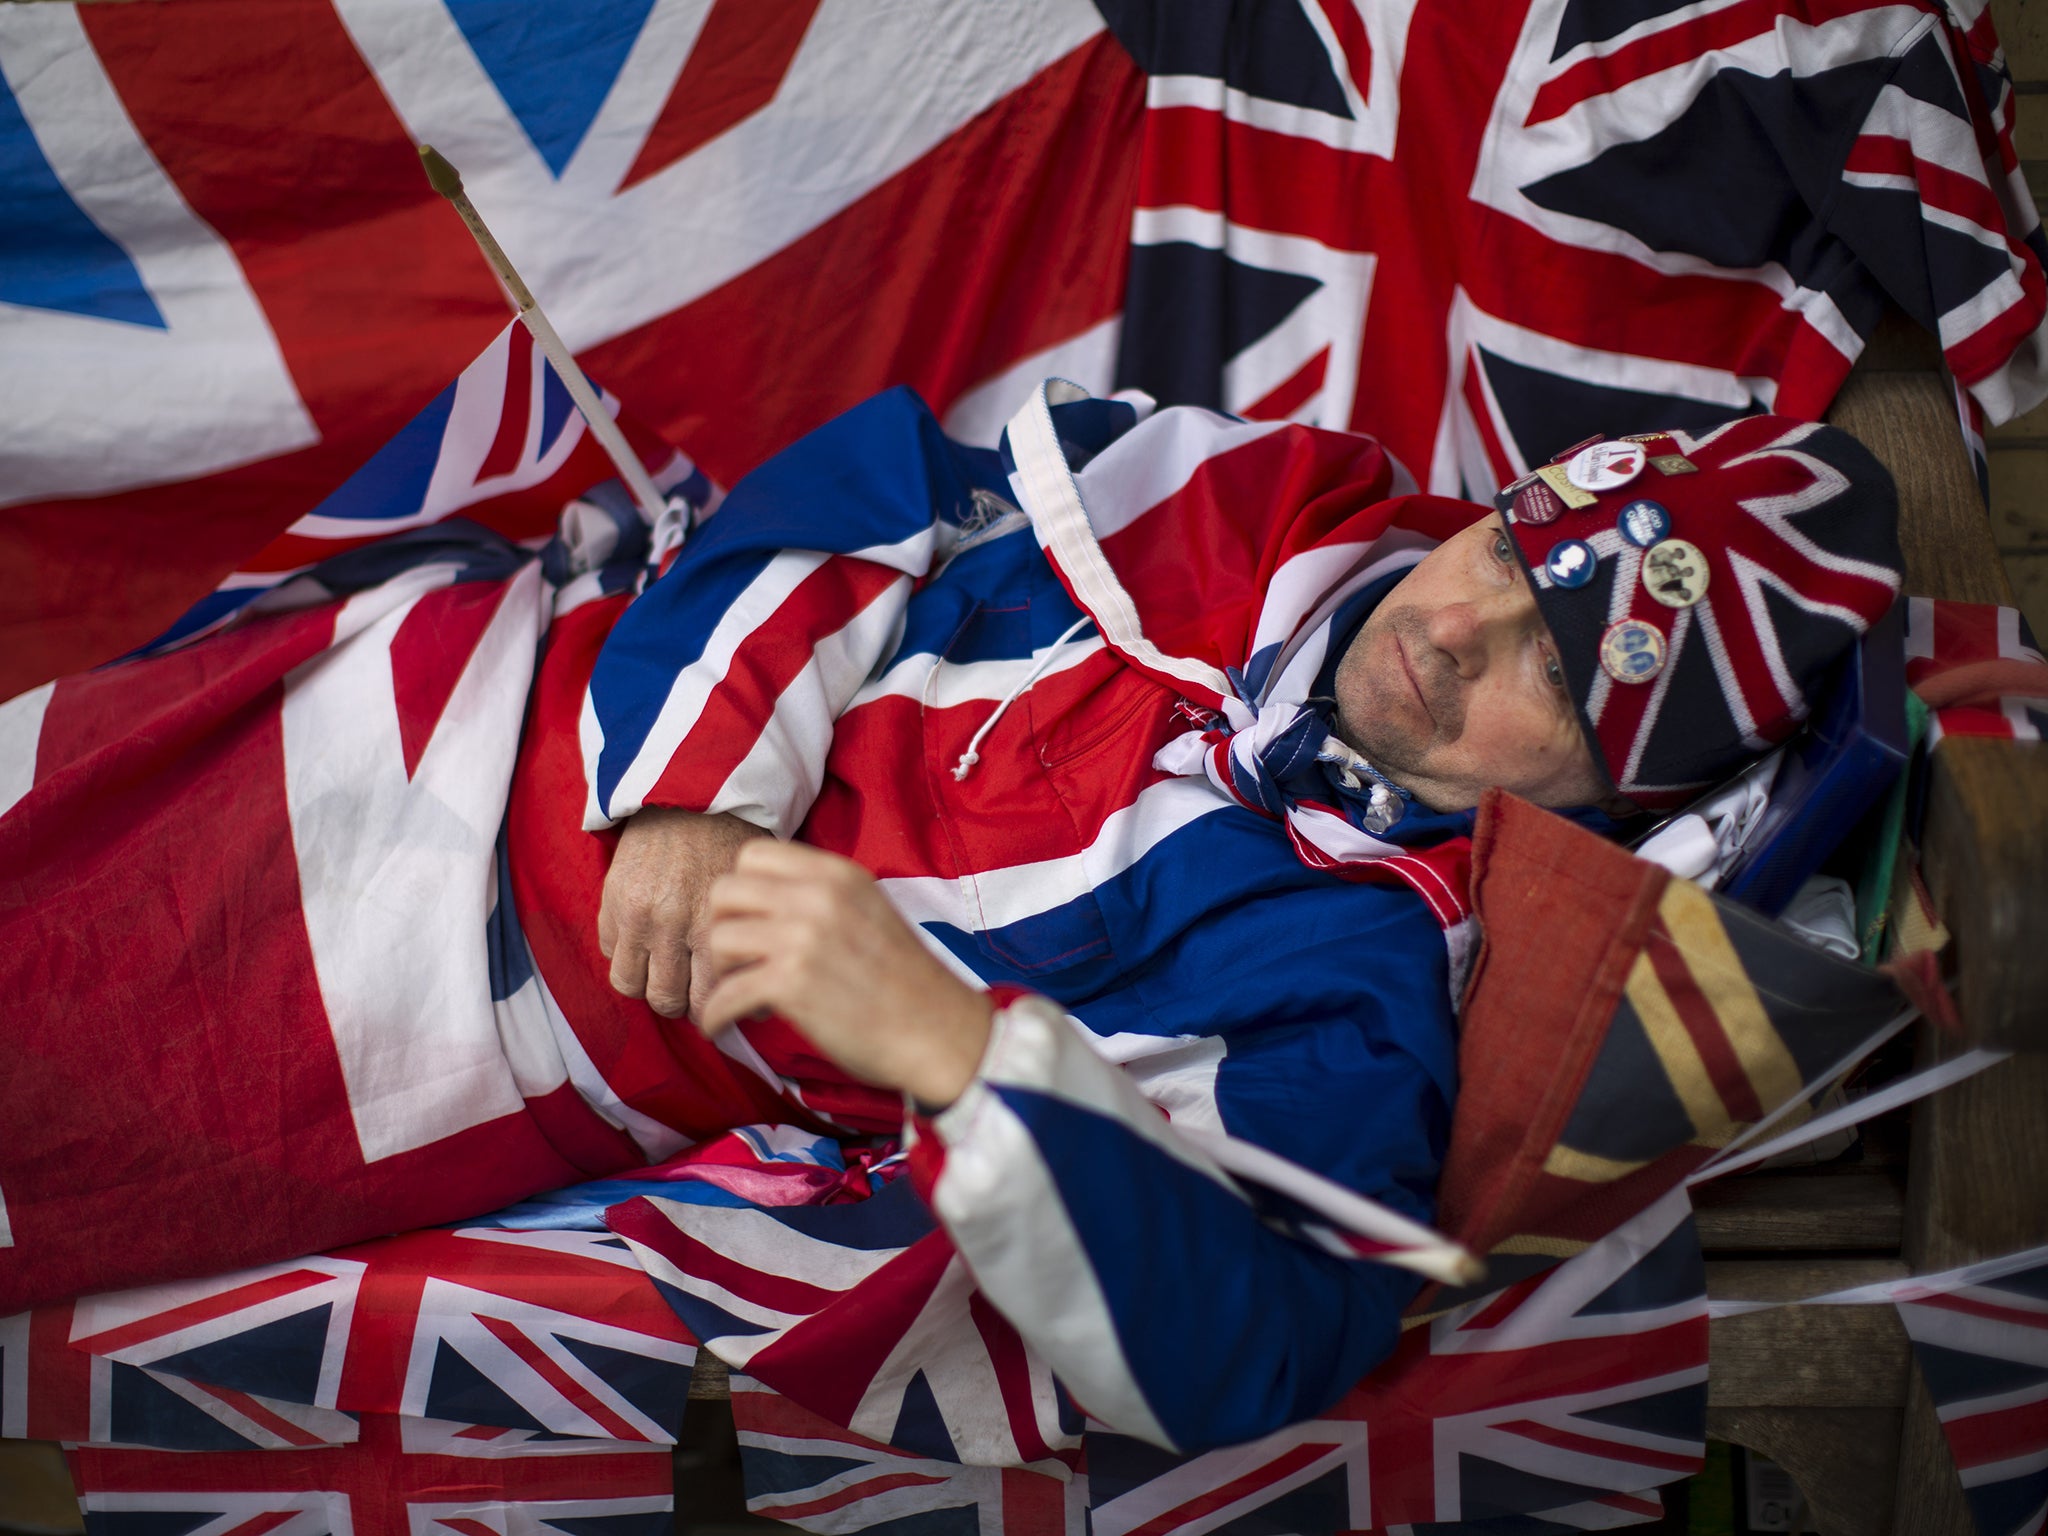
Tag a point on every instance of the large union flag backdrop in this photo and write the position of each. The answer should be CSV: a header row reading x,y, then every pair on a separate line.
x,y
224,281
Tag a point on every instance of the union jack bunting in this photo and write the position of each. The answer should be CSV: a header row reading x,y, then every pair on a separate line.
x,y
744,216
1340,210
1979,667
401,1477
1982,1349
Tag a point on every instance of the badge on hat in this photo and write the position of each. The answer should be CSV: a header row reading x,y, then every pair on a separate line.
x,y
1643,523
1536,504
1571,563
1556,477
1673,464
1676,573
1632,651
1606,466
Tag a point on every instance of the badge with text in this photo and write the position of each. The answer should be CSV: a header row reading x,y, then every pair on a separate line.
x,y
1606,466
1571,563
1632,651
1536,504
1643,523
1676,573
1555,476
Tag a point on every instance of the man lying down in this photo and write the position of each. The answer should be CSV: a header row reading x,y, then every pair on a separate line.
x,y
1129,771
1173,727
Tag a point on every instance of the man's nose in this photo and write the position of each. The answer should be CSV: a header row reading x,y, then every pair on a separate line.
x,y
1474,632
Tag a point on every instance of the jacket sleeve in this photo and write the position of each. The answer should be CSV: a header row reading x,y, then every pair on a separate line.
x,y
1171,1302
718,688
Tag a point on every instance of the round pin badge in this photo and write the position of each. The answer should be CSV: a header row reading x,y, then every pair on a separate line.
x,y
1537,504
1643,523
1632,651
1676,573
1606,466
1570,563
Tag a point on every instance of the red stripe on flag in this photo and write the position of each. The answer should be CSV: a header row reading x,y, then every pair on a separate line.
x,y
1289,396
549,1371
845,1496
1608,1450
1703,1027
158,1324
509,446
254,1411
1674,47
430,650
1006,238
736,66
1265,1476
1034,1504
258,1524
1351,39
764,664
2003,1434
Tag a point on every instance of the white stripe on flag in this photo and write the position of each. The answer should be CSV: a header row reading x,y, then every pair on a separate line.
x,y
21,734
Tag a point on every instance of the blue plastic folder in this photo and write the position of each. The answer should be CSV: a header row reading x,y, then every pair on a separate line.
x,y
1850,753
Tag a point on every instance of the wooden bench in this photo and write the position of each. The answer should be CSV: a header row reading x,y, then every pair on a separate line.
x,y
1831,1393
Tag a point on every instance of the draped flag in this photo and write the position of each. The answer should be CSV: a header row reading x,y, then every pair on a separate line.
x,y
224,280
1568,1397
1979,667
1478,234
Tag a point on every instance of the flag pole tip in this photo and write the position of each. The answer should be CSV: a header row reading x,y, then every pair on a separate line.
x,y
444,178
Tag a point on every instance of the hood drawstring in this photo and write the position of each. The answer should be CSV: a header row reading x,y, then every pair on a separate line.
x,y
973,753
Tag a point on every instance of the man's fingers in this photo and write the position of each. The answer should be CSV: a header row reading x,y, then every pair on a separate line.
x,y
737,995
629,970
794,861
733,942
668,980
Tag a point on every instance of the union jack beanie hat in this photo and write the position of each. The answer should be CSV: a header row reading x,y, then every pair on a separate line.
x,y
1699,588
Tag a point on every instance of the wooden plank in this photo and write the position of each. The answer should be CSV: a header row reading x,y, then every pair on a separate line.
x,y
1804,1357
1985,850
2028,573
710,1381
1814,1211
2019,495
1843,1459
1908,421
2023,29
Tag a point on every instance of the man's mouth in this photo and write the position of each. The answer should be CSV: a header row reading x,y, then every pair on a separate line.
x,y
1414,682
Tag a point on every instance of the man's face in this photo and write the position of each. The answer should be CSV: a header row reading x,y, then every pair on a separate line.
x,y
1454,684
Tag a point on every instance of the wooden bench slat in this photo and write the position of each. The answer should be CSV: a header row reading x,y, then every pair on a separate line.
x,y
1864,1211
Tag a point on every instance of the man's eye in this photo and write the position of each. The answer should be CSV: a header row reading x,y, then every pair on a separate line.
x,y
1553,672
1501,552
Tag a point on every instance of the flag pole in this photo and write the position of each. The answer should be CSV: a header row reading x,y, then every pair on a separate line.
x,y
447,181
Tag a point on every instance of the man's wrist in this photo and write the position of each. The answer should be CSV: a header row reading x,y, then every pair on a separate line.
x,y
952,1055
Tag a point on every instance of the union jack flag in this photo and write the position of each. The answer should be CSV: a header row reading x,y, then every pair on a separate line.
x,y
1982,1349
543,1334
1477,234
401,1477
1979,665
925,192
503,446
1565,1397
806,1471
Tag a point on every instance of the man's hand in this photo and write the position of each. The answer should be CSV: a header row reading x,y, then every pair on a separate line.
x,y
652,917
807,935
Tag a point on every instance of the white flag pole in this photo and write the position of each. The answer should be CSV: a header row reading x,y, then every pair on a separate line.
x,y
448,182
